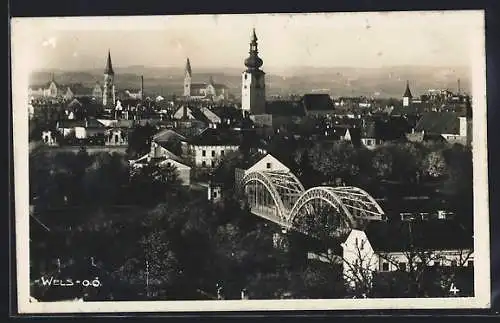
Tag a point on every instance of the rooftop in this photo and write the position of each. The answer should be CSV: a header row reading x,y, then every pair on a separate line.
x,y
422,235
216,137
439,123
285,108
318,102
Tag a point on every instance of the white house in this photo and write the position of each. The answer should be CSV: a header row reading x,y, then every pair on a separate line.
x,y
268,163
48,139
359,259
451,126
164,158
405,246
211,145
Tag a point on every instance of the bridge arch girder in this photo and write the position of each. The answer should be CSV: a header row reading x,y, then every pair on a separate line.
x,y
270,183
323,193
359,202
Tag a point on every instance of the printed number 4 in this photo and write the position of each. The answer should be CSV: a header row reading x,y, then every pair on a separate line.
x,y
454,289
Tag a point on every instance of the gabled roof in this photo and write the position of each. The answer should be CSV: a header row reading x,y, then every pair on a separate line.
x,y
439,123
228,112
199,115
74,103
249,160
318,102
423,235
404,111
93,123
285,108
216,137
168,135
163,153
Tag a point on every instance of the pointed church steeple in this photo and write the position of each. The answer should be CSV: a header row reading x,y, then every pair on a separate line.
x,y
407,93
109,66
407,96
253,62
188,67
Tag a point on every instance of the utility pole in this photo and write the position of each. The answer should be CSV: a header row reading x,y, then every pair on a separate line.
x,y
147,278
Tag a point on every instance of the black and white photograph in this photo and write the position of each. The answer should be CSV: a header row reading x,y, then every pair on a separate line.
x,y
251,162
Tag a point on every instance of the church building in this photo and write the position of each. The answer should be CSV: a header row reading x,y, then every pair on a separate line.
x,y
203,91
109,95
407,97
253,89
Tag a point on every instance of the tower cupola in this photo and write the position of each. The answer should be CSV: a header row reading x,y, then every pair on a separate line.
x,y
253,61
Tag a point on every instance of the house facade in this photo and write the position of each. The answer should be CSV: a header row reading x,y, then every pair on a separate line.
x,y
211,145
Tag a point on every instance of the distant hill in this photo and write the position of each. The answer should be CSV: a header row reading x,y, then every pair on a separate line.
x,y
338,81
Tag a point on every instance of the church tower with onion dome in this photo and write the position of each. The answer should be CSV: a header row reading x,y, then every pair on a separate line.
x,y
108,95
253,87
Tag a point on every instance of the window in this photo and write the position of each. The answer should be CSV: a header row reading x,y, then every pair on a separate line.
x,y
213,163
214,194
203,164
213,153
385,266
268,165
169,164
470,263
437,263
203,153
453,263
402,266
222,152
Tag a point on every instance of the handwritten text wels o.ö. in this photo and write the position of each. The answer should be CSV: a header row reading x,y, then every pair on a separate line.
x,y
48,282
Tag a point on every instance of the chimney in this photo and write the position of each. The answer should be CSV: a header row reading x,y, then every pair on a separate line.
x,y
142,87
458,82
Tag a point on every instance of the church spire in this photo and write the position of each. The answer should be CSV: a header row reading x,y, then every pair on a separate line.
x,y
407,91
253,62
188,67
109,66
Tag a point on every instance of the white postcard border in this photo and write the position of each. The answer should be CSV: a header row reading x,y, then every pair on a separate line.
x,y
21,58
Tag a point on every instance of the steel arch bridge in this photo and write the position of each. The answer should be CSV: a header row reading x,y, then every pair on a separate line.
x,y
278,196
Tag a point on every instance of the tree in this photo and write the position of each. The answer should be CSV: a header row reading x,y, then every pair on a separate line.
x,y
150,183
382,163
458,185
104,179
335,162
161,262
434,164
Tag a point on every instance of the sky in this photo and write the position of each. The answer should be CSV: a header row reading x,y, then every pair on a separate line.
x,y
218,41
